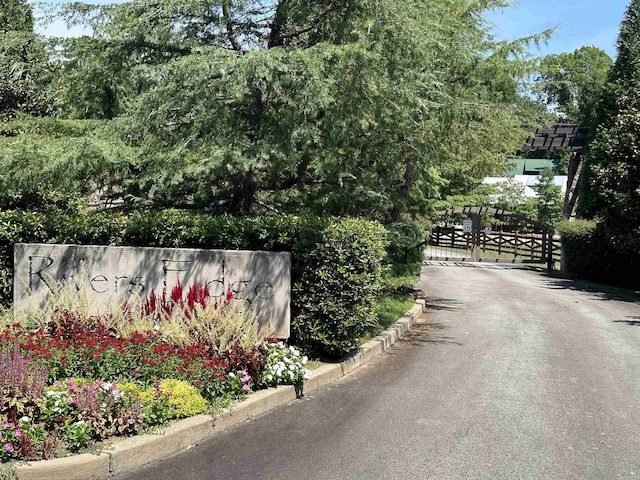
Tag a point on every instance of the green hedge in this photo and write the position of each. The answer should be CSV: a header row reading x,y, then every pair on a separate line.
x,y
337,263
593,253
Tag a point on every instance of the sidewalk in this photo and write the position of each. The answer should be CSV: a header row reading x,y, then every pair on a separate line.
x,y
134,452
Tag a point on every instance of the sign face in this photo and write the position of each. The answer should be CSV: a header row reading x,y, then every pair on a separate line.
x,y
466,225
487,230
261,281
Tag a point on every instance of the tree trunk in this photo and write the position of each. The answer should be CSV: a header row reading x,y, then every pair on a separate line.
x,y
404,189
244,193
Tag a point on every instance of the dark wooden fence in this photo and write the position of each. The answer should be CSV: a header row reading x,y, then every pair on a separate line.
x,y
514,247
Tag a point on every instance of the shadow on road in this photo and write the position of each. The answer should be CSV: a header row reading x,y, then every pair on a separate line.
x,y
442,304
633,321
426,332
597,290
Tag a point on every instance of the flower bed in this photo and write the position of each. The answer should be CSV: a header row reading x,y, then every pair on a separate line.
x,y
68,379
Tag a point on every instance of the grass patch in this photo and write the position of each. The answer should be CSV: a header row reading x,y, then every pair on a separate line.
x,y
396,298
392,307
313,364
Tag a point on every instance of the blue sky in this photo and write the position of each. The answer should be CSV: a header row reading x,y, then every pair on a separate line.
x,y
577,22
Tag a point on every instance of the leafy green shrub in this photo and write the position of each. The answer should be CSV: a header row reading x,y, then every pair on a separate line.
x,y
404,242
592,252
168,399
16,227
400,279
581,249
184,399
336,290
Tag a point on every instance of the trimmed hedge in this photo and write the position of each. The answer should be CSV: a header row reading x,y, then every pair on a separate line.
x,y
337,263
593,253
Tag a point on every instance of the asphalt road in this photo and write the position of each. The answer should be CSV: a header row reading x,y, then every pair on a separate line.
x,y
512,374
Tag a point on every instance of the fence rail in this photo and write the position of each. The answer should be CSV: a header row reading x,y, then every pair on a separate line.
x,y
514,247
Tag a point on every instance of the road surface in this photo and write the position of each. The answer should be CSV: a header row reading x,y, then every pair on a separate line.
x,y
512,374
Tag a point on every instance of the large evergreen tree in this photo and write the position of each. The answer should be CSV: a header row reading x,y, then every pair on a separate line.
x,y
22,62
359,107
614,158
571,83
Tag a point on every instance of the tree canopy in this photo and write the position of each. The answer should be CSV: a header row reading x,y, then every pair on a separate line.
x,y
22,62
359,107
613,161
572,82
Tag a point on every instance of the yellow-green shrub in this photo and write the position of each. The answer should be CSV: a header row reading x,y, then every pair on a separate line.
x,y
184,399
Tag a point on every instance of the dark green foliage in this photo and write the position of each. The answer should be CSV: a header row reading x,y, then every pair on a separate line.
x,y
613,168
582,250
338,287
337,263
591,252
572,83
549,201
344,108
15,227
405,242
22,62
16,15
48,162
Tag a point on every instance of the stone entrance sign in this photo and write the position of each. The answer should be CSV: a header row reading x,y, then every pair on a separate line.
x,y
260,280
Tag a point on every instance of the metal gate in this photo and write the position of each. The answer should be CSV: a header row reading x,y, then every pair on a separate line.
x,y
481,234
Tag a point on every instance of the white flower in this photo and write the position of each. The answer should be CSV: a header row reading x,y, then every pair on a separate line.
x,y
25,419
156,328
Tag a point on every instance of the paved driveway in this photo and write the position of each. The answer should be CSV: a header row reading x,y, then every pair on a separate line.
x,y
512,374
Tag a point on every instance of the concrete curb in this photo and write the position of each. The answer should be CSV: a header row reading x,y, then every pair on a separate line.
x,y
134,452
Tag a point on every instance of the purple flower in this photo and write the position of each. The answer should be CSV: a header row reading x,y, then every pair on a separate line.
x,y
246,387
245,379
8,447
18,433
7,425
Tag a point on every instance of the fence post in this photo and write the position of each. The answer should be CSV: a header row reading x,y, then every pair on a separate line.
x,y
475,237
549,235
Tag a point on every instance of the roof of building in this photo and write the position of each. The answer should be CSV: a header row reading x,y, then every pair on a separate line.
x,y
562,136
529,166
529,182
